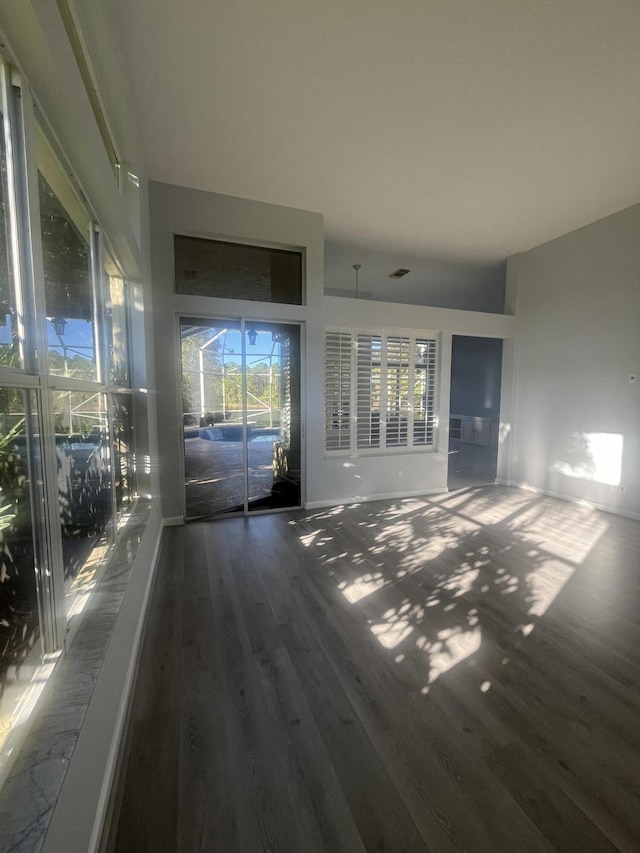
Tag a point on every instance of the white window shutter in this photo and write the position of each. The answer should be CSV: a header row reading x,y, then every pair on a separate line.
x,y
380,391
368,391
337,389
424,392
398,352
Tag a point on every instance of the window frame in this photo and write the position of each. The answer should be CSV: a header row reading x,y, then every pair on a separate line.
x,y
244,243
344,402
26,128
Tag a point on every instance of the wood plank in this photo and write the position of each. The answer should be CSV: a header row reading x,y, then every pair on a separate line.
x,y
459,672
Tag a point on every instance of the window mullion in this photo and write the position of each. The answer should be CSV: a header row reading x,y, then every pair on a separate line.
x,y
9,377
97,304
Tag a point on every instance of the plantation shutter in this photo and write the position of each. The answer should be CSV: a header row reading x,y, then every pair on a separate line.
x,y
385,384
398,352
368,390
424,392
337,387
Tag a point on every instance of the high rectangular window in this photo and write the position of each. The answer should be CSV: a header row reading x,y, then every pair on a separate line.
x,y
235,271
66,255
380,391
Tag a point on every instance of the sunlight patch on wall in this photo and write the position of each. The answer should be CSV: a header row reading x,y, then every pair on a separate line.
x,y
503,433
595,456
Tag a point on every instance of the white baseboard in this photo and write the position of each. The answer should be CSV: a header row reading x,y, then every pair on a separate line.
x,y
527,487
173,521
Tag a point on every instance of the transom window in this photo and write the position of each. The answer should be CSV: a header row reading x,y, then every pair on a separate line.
x,y
380,391
237,271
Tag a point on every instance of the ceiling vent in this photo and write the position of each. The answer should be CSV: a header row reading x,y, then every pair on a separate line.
x,y
398,273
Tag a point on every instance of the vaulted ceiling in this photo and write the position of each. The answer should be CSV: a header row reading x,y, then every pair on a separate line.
x,y
436,135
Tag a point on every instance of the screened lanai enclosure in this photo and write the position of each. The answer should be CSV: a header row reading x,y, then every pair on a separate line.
x,y
241,416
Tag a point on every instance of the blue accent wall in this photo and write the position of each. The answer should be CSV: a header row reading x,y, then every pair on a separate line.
x,y
476,372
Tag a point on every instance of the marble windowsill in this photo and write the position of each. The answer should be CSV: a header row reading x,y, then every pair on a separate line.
x,y
32,787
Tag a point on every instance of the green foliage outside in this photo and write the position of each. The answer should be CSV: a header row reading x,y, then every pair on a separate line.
x,y
223,388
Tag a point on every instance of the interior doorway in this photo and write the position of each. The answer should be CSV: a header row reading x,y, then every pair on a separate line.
x,y
241,416
474,417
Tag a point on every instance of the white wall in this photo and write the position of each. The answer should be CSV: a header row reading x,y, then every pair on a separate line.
x,y
576,417
328,480
178,210
334,480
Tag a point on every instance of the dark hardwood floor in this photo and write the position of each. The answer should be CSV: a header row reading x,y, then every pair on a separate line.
x,y
450,673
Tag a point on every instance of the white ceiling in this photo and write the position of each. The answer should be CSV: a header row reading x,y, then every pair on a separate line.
x,y
438,135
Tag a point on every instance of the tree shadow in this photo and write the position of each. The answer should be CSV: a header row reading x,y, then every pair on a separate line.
x,y
436,577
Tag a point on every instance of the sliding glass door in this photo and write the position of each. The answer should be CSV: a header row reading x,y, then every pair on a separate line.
x,y
241,416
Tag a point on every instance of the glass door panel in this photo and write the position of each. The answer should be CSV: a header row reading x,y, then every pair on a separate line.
x,y
212,416
273,416
241,416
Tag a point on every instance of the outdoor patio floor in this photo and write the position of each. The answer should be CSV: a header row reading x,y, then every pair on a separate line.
x,y
214,474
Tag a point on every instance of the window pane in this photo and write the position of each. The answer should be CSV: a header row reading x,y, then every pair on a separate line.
x,y
9,353
67,272
84,483
117,329
19,611
234,271
123,452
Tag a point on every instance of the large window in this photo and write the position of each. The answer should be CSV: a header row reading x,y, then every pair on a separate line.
x,y
65,230
67,459
380,391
